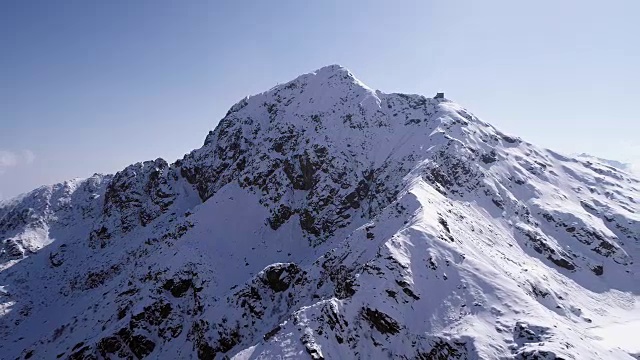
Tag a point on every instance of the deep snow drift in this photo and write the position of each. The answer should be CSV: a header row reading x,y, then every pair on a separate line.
x,y
324,219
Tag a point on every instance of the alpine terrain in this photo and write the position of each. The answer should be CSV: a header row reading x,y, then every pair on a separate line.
x,y
323,219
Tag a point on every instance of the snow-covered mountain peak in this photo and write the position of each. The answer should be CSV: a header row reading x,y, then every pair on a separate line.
x,y
330,71
329,75
323,219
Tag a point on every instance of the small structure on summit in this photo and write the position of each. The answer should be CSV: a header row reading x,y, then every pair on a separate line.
x,y
439,96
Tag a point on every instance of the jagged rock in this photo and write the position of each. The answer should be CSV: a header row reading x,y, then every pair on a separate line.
x,y
381,321
278,277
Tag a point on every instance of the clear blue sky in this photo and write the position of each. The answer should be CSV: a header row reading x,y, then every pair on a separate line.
x,y
91,86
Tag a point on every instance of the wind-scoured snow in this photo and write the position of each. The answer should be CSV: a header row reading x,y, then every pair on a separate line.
x,y
325,219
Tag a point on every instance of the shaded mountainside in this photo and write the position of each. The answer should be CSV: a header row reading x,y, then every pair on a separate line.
x,y
324,219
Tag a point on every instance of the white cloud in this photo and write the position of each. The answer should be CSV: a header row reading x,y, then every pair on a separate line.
x,y
10,159
29,156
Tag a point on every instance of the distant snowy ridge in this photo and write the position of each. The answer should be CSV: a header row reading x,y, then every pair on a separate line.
x,y
629,167
632,167
323,219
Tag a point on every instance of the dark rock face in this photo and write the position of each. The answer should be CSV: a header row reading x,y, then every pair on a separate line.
x,y
271,333
178,288
133,340
139,194
489,158
297,165
139,345
279,277
301,175
598,270
280,216
527,333
538,355
541,246
381,321
446,349
12,249
452,172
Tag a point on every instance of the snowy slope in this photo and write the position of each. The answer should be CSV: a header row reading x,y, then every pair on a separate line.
x,y
325,219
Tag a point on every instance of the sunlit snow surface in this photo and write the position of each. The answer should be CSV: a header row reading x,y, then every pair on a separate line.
x,y
324,219
621,329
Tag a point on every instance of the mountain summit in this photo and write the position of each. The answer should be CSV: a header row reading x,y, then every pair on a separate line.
x,y
323,219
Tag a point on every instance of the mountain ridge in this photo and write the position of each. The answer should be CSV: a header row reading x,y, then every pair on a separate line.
x,y
326,219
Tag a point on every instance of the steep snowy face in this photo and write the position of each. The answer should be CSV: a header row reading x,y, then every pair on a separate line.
x,y
324,149
324,219
300,146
